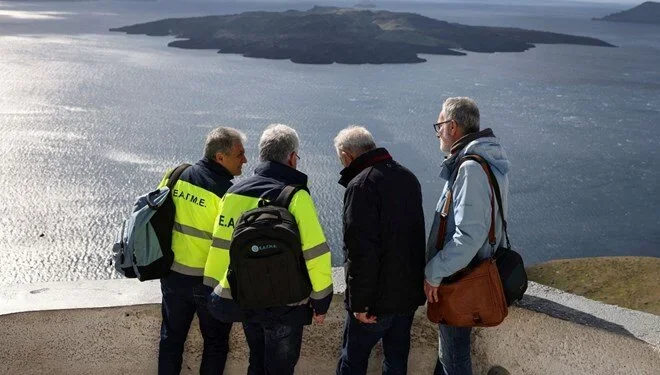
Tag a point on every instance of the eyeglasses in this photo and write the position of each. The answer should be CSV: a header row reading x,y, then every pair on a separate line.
x,y
438,125
297,156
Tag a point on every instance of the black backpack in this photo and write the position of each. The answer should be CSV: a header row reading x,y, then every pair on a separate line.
x,y
266,267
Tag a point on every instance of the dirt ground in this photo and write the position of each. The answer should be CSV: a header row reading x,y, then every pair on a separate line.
x,y
122,340
631,282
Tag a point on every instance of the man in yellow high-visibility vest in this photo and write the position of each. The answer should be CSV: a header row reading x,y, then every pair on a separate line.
x,y
196,198
274,334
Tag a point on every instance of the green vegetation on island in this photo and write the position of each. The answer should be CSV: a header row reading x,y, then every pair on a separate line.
x,y
631,282
325,35
648,12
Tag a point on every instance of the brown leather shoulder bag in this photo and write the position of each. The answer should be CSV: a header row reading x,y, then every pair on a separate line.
x,y
473,296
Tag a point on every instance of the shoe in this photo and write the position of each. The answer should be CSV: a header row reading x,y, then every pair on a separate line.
x,y
498,370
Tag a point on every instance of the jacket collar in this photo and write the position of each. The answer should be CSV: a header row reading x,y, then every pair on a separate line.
x,y
457,149
281,172
215,167
362,162
466,139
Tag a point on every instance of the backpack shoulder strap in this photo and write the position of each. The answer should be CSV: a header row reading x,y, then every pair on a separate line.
x,y
173,177
284,199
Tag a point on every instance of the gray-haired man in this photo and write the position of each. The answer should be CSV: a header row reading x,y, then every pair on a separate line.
x,y
273,332
383,250
468,221
196,197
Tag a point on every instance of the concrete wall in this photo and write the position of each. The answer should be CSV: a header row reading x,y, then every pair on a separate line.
x,y
78,338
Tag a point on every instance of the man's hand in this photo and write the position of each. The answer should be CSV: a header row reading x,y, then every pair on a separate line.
x,y
364,317
431,292
318,318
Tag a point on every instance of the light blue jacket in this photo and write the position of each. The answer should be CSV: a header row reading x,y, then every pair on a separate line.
x,y
469,217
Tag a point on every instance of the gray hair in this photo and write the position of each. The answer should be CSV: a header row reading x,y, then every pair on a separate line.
x,y
222,140
277,142
354,139
464,111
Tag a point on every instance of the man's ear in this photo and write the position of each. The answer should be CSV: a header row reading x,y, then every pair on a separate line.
x,y
453,128
219,157
346,158
292,160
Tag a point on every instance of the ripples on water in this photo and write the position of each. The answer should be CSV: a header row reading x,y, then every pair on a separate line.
x,y
90,120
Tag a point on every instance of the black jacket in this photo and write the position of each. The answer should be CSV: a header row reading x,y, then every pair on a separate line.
x,y
208,175
384,240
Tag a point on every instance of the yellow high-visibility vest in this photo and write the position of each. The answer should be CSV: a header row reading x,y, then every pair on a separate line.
x,y
314,246
195,213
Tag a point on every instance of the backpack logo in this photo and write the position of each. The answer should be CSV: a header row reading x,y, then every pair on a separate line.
x,y
256,248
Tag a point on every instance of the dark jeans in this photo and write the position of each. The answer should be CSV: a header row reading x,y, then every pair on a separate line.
x,y
454,351
274,348
360,338
183,296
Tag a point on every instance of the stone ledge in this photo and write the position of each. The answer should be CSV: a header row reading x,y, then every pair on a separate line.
x,y
126,292
111,326
93,293
566,306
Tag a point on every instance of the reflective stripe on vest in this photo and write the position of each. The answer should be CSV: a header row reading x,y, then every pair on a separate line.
x,y
220,243
316,251
322,293
209,281
183,269
194,232
223,292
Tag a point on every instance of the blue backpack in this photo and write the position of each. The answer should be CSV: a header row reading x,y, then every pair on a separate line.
x,y
143,249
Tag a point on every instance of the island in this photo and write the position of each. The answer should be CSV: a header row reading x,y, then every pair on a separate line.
x,y
365,4
648,12
325,35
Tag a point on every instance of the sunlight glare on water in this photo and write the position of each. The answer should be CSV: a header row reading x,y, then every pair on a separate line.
x,y
90,119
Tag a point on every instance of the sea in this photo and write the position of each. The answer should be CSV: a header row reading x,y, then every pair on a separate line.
x,y
90,119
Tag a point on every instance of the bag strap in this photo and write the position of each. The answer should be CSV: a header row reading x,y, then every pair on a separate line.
x,y
173,177
286,195
495,190
498,195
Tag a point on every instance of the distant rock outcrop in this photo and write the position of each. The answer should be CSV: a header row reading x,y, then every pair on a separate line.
x,y
648,12
324,35
365,4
